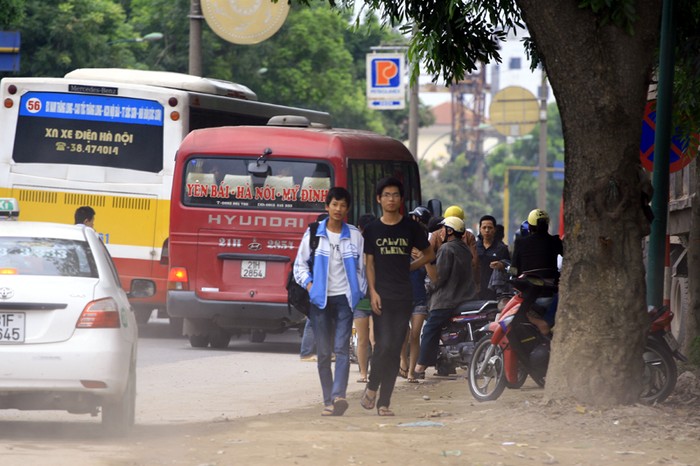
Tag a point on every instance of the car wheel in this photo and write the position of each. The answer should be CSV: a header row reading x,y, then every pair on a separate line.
x,y
118,416
199,341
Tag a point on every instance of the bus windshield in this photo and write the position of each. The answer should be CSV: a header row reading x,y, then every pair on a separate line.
x,y
224,182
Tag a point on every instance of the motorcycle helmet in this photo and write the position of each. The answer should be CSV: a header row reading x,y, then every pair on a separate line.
x,y
454,223
422,213
454,211
536,215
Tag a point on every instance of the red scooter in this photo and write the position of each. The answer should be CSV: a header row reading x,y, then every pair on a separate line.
x,y
516,348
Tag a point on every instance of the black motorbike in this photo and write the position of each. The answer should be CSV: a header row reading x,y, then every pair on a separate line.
x,y
460,334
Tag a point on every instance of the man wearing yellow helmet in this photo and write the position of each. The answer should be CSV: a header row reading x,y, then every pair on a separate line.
x,y
539,252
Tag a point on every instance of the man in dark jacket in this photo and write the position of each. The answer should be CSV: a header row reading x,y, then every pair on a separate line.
x,y
453,286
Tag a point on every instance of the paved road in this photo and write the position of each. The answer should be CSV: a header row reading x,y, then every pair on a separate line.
x,y
180,384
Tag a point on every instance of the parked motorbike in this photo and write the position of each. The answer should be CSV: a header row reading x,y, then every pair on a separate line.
x,y
662,348
514,348
460,334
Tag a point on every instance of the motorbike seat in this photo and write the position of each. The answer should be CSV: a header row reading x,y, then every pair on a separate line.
x,y
473,306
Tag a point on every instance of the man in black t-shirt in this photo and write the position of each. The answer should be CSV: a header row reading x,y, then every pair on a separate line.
x,y
388,244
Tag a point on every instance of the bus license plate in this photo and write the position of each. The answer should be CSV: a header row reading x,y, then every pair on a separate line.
x,y
253,269
12,327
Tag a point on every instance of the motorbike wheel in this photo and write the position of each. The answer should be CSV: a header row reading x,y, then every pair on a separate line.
x,y
486,376
522,377
660,373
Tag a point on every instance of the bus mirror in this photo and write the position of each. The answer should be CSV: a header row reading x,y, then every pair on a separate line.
x,y
435,207
258,168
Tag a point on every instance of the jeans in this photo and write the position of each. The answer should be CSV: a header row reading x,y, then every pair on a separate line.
x,y
430,338
389,334
308,342
336,319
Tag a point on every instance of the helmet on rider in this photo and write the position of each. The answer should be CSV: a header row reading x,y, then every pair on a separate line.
x,y
538,220
422,214
454,211
454,223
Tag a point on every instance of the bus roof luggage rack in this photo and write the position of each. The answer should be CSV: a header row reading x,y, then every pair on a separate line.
x,y
295,121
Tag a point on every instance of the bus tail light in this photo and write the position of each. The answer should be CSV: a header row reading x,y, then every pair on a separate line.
x,y
178,279
9,103
103,313
175,115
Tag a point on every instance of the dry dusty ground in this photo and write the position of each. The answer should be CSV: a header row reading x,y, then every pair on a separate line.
x,y
437,422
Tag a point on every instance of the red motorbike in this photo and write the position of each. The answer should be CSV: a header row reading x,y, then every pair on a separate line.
x,y
516,347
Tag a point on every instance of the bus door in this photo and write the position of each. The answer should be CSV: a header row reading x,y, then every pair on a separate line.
x,y
252,223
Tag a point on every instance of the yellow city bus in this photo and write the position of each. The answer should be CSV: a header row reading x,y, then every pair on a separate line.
x,y
107,138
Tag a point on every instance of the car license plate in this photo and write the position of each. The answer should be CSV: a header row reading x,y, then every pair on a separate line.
x,y
12,327
253,269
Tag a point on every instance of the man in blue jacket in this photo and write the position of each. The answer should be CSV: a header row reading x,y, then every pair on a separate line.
x,y
336,284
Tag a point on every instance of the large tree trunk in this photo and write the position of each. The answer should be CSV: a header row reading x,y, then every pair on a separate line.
x,y
599,76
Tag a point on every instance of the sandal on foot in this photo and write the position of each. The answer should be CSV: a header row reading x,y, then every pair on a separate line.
x,y
367,401
403,373
362,380
340,405
328,411
384,411
412,379
419,375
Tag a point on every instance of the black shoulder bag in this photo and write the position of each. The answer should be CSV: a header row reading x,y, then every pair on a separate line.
x,y
297,295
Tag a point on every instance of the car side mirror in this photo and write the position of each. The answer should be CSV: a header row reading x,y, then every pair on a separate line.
x,y
142,288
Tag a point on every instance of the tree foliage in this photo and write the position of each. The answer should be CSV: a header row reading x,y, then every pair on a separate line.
x,y
11,14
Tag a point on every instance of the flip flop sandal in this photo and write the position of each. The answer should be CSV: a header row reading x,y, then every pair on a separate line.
x,y
419,375
384,411
366,401
328,411
412,380
362,380
340,405
403,373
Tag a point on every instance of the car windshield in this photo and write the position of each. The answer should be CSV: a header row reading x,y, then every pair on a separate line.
x,y
46,256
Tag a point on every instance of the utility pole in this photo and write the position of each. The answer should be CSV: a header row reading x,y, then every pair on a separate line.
x,y
196,17
542,170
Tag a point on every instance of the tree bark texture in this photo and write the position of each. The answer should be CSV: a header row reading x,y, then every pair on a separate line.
x,y
599,75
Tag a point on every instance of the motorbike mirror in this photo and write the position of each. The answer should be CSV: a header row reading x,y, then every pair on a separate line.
x,y
512,271
435,207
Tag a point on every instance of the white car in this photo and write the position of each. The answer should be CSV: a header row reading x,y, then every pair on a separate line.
x,y
68,336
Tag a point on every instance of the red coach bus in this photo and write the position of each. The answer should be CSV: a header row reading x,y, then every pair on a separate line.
x,y
241,200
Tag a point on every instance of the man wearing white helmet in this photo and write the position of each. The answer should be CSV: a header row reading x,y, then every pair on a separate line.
x,y
453,285
468,238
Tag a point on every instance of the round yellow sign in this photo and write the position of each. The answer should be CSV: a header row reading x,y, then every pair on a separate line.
x,y
514,111
245,21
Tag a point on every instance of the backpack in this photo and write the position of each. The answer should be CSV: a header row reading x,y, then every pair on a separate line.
x,y
297,295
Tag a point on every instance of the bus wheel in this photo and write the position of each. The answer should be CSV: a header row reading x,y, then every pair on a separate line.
x,y
175,326
257,336
219,338
199,341
143,314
